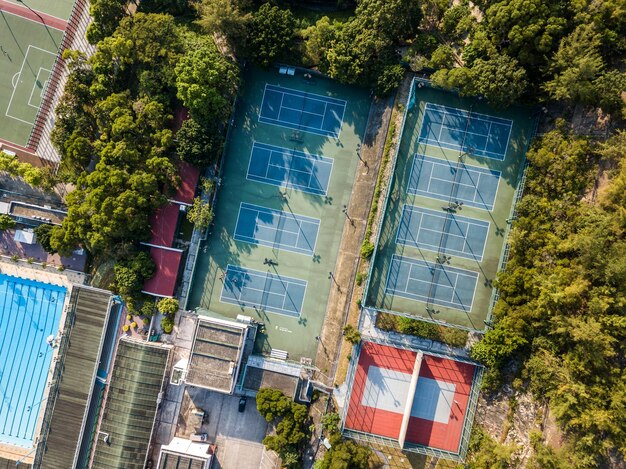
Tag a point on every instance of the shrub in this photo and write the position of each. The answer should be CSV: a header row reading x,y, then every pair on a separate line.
x,y
133,325
126,328
145,321
147,309
359,278
129,317
367,249
15,258
6,222
168,305
30,260
351,334
167,324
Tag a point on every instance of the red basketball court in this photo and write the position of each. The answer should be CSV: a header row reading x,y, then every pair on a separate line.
x,y
410,396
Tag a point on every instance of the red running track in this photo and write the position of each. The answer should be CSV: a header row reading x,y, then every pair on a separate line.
x,y
443,436
37,17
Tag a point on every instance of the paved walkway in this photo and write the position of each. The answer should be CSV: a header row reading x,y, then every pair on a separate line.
x,y
353,234
32,15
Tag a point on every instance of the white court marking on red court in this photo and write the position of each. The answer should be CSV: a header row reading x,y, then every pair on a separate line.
x,y
380,393
387,390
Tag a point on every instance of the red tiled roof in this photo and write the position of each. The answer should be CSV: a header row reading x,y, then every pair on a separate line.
x,y
164,280
163,225
189,176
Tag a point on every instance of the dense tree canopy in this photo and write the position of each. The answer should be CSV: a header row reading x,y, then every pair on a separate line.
x,y
270,34
206,82
563,293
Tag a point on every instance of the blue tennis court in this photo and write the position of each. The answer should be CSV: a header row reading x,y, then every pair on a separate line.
x,y
276,229
289,168
471,132
30,312
452,181
431,283
264,290
299,110
443,232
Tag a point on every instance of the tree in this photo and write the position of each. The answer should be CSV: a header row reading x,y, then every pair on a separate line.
x,y
442,57
500,79
271,34
528,30
389,80
44,235
393,19
345,454
200,214
207,83
199,143
173,7
575,66
608,89
290,419
130,274
6,222
167,306
106,16
224,17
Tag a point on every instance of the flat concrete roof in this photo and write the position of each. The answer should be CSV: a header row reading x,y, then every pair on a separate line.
x,y
216,354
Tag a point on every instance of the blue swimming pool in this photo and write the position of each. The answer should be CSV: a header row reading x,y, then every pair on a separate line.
x,y
29,313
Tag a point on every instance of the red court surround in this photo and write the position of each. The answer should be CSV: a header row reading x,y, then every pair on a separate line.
x,y
385,423
37,17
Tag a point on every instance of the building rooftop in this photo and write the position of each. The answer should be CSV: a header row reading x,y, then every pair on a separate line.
x,y
182,453
265,373
131,404
91,309
216,354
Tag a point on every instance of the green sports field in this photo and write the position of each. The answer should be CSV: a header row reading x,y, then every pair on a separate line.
x,y
29,51
288,172
441,240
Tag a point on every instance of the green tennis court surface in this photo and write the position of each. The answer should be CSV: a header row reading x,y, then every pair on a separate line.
x,y
27,56
442,235
288,171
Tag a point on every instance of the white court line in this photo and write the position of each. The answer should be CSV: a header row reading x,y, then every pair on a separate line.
x,y
15,87
304,220
301,111
464,113
305,95
416,297
250,272
288,184
43,88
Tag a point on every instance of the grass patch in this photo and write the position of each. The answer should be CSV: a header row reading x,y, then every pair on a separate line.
x,y
403,325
